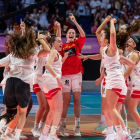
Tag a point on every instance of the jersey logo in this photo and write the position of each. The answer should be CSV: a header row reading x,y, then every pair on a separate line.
x,y
71,51
118,67
67,82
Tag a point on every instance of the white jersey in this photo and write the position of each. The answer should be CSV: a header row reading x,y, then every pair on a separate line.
x,y
57,65
21,68
5,76
113,72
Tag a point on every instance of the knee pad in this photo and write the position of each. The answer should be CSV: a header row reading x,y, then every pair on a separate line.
x,y
9,115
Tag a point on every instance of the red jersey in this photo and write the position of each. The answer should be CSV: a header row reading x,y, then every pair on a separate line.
x,y
72,64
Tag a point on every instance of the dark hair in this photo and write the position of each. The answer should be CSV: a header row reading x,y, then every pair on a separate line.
x,y
45,32
51,40
22,46
107,34
136,41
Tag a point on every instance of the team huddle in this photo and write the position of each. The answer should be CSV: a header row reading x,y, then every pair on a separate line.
x,y
120,87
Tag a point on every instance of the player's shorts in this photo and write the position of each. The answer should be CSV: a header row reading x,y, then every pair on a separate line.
x,y
103,91
72,82
38,83
50,86
17,92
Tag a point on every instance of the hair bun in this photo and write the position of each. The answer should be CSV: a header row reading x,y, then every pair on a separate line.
x,y
48,39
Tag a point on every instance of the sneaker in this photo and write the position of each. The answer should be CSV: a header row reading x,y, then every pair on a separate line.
x,y
135,132
104,131
34,131
138,135
2,131
112,136
43,137
52,137
128,130
22,136
62,129
77,131
124,136
38,132
102,125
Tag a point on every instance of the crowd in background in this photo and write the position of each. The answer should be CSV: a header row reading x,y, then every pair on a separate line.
x,y
89,13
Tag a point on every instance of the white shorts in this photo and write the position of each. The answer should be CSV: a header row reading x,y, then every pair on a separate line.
x,y
38,83
72,82
103,91
50,86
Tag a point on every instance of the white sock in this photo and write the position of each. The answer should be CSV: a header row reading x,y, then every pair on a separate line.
x,y
119,129
103,118
63,120
53,130
136,125
8,130
36,126
18,132
110,130
2,123
41,124
77,121
46,129
125,122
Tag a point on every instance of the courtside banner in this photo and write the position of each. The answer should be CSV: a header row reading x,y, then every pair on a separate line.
x,y
91,45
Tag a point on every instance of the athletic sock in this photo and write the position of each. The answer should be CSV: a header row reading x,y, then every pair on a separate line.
x,y
18,132
110,130
77,121
53,130
8,130
46,129
119,129
2,123
36,126
136,125
41,124
103,118
125,122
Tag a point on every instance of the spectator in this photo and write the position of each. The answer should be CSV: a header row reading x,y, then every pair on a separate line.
x,y
62,6
131,11
43,21
122,22
9,30
104,4
136,16
138,1
126,2
118,3
98,3
27,20
34,26
70,3
102,17
66,26
14,5
3,24
112,3
16,27
97,18
110,10
135,5
73,11
87,8
58,16
81,8
131,20
93,7
52,29
115,14
94,28
35,16
26,3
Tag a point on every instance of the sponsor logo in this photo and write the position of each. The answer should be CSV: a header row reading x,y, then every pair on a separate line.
x,y
67,82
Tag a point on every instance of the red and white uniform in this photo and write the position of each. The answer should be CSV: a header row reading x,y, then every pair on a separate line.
x,y
113,74
135,80
50,85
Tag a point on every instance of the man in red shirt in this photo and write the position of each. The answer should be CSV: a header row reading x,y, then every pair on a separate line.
x,y
52,29
72,76
66,26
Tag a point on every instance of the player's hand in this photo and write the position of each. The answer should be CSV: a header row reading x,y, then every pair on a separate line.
x,y
7,68
108,18
40,37
60,84
97,81
22,24
6,43
114,20
83,57
66,54
57,24
72,18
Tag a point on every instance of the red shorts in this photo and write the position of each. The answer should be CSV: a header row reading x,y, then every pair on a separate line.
x,y
52,93
121,96
36,88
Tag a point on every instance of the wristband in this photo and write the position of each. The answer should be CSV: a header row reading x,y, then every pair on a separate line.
x,y
57,76
40,38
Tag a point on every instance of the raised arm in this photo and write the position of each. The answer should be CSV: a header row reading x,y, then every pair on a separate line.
x,y
113,46
81,31
22,26
127,61
45,49
101,27
134,57
57,24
